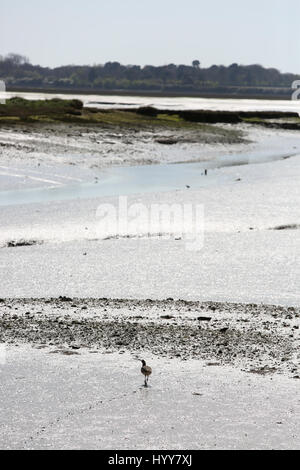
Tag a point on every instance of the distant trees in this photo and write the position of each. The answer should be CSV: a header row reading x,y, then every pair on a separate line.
x,y
17,59
17,71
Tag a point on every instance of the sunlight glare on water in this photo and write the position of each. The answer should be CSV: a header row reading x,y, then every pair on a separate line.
x,y
180,103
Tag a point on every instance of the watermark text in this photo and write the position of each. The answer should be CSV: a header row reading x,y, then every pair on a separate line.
x,y
156,221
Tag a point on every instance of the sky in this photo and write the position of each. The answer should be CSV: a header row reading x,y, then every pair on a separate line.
x,y
156,32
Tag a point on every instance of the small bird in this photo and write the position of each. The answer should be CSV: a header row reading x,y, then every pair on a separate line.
x,y
146,371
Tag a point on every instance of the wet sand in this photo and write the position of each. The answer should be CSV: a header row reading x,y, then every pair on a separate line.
x,y
97,401
255,338
227,374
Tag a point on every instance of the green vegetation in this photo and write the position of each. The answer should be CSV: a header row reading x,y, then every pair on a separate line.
x,y
57,110
235,80
167,117
289,123
25,110
19,110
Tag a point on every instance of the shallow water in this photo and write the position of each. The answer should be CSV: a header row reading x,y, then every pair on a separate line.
x,y
117,181
180,103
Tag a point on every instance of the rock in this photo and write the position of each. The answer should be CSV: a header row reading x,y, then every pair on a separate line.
x,y
224,330
64,299
167,141
29,315
18,243
68,353
147,111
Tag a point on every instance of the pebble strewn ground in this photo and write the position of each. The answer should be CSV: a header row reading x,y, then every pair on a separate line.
x,y
256,338
99,146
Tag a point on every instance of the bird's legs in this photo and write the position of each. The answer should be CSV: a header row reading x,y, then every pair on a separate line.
x,y
146,382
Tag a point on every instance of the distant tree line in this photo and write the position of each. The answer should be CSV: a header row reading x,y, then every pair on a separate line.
x,y
17,71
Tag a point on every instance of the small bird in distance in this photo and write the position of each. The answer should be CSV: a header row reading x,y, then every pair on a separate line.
x,y
146,371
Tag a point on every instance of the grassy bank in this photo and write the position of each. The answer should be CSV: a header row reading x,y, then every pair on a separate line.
x,y
19,110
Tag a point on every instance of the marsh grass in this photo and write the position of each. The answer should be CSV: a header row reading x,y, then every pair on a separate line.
x,y
72,111
199,123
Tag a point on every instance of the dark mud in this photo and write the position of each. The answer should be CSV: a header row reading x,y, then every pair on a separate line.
x,y
256,338
287,227
215,117
18,243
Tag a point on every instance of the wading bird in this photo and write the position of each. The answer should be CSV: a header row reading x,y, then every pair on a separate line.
x,y
146,371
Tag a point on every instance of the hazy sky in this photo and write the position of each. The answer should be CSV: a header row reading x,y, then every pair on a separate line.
x,y
56,32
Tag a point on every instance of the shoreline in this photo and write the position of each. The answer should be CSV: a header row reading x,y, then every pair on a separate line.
x,y
162,94
57,110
